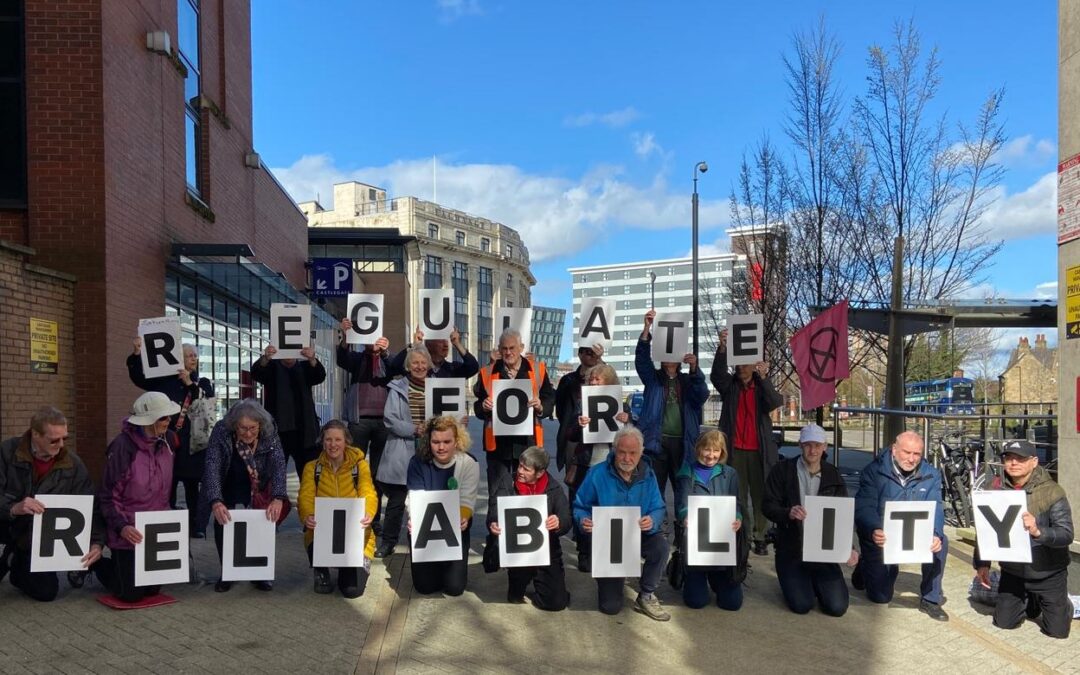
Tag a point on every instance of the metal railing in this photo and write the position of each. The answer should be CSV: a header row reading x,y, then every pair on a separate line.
x,y
927,417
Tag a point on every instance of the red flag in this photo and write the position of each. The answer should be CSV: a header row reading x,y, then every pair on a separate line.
x,y
820,350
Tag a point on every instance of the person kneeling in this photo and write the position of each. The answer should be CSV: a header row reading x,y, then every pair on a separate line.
x,y
549,582
624,480
340,471
709,475
444,464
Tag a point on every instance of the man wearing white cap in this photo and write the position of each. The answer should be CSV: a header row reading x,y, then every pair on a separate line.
x,y
786,488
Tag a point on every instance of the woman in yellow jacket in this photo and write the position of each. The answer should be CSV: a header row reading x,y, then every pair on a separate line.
x,y
341,472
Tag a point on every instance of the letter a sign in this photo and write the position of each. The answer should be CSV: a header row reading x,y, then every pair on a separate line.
x,y
596,322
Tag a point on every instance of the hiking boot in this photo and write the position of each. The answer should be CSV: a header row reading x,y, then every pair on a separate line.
x,y
650,607
323,584
933,610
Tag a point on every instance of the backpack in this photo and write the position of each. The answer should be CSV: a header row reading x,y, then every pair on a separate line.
x,y
355,477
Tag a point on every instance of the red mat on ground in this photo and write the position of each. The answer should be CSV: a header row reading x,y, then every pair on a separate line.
x,y
151,601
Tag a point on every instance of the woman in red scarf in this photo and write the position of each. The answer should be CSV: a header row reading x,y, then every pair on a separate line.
x,y
549,582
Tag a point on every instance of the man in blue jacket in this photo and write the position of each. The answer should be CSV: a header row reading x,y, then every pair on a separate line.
x,y
670,420
896,476
624,480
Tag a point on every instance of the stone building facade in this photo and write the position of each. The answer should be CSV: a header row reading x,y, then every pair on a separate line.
x,y
1031,374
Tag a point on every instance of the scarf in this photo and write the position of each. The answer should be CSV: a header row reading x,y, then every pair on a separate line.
x,y
247,454
537,488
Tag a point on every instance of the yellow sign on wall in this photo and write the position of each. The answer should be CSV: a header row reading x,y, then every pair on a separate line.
x,y
1072,303
44,346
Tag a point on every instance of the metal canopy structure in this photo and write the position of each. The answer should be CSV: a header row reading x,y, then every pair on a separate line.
x,y
927,316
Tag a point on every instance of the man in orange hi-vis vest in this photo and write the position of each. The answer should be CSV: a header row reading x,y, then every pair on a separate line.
x,y
503,451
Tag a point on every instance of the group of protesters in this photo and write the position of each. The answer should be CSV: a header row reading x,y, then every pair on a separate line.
x,y
385,448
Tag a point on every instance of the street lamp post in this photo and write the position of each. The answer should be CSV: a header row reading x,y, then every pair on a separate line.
x,y
652,290
700,167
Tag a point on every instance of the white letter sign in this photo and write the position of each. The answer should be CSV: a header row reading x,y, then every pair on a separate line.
x,y
436,313
616,541
827,529
999,527
595,325
518,318
247,552
909,531
339,532
511,414
290,329
445,396
745,340
162,353
436,525
162,556
365,311
61,535
671,336
524,539
710,541
600,404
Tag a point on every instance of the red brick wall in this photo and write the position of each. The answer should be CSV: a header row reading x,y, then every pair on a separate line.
x,y
105,139
28,293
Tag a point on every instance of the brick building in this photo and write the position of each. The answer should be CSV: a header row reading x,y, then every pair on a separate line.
x,y
129,166
1031,374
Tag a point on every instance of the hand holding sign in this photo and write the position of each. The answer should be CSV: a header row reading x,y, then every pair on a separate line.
x,y
1003,527
365,317
60,533
163,354
908,535
290,329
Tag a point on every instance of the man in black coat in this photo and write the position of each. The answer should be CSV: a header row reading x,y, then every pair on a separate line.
x,y
786,489
287,395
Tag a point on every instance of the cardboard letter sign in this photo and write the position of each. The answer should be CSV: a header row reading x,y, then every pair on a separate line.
x,y
518,318
827,529
290,329
709,537
511,415
671,337
600,405
61,535
339,532
999,527
366,314
161,352
616,541
746,340
162,557
247,552
596,322
909,532
524,539
445,396
436,525
436,313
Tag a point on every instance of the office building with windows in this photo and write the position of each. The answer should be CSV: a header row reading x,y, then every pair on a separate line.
x,y
129,172
484,262
665,285
548,325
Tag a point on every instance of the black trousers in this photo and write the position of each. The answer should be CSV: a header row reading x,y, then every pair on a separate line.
x,y
548,582
41,586
191,501
449,577
666,463
351,581
395,511
231,501
1051,595
292,443
118,575
803,583
497,469
369,434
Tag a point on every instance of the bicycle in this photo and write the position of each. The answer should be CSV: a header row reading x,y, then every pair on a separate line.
x,y
957,464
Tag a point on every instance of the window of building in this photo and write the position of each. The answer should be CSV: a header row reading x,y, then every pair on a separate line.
x,y
187,16
433,230
584,278
12,110
671,285
509,281
485,291
432,272
485,244
460,238
372,195
671,302
509,251
626,290
626,274
459,273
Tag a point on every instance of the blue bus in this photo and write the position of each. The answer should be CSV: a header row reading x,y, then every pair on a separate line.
x,y
949,396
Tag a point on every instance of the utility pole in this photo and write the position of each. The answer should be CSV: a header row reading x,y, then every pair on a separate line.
x,y
894,377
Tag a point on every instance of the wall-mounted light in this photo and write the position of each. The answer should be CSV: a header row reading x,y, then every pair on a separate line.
x,y
158,41
252,160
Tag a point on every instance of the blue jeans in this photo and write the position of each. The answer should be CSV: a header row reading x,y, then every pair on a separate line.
x,y
609,591
881,578
803,583
698,581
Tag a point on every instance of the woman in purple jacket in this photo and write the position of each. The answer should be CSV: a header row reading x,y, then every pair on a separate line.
x,y
138,478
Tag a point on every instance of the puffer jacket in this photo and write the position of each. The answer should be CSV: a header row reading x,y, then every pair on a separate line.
x,y
339,484
604,486
138,477
68,476
782,493
693,393
400,437
879,484
1053,515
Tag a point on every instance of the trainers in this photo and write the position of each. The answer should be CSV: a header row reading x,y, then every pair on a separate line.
x,y
933,610
650,607
77,578
323,584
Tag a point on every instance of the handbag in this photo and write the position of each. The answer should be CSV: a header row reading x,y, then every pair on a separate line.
x,y
261,498
201,413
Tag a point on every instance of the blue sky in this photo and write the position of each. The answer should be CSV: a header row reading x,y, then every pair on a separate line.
x,y
579,123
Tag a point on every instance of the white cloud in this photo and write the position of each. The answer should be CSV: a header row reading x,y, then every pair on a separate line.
x,y
1048,290
645,144
613,119
1025,151
455,9
555,215
1023,214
